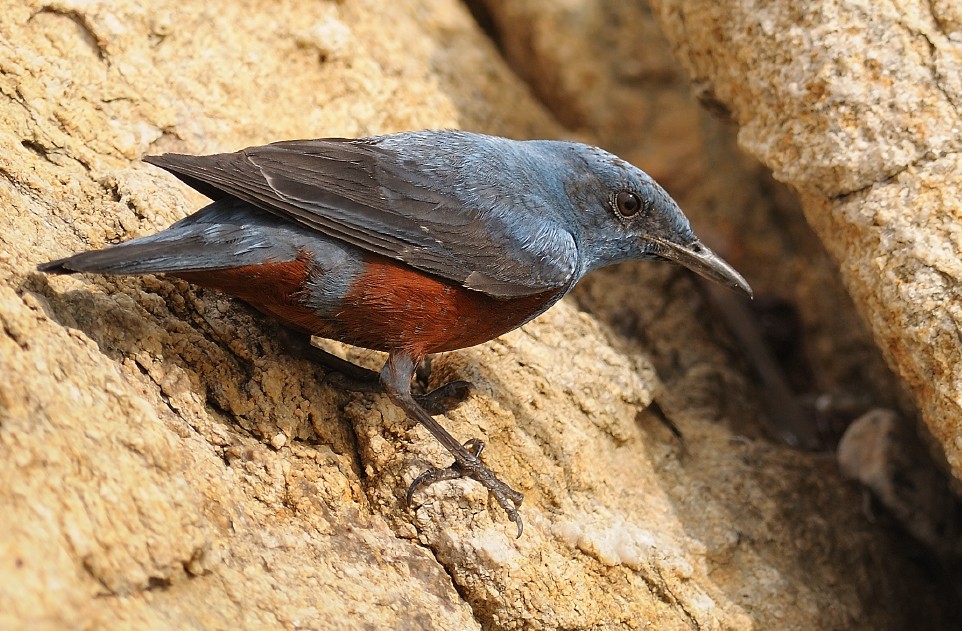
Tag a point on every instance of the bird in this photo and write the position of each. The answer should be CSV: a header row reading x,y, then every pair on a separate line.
x,y
410,243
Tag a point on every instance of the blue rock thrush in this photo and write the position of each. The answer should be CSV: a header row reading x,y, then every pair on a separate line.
x,y
412,243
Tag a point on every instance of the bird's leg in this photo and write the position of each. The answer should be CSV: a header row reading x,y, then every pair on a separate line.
x,y
359,379
396,379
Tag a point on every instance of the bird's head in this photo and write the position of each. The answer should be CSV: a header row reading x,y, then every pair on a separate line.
x,y
625,215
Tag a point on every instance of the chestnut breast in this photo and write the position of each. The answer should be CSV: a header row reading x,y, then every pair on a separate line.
x,y
391,306
386,306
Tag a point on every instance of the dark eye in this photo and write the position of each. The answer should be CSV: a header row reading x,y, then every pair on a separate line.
x,y
627,203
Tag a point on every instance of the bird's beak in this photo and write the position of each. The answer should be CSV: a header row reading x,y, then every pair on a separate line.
x,y
699,259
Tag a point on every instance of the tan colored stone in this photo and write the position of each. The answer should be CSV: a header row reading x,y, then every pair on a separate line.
x,y
165,465
857,106
605,68
868,86
879,450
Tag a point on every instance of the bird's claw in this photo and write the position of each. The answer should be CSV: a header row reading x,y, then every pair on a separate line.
x,y
508,498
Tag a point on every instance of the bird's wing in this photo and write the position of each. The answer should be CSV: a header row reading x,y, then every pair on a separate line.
x,y
378,200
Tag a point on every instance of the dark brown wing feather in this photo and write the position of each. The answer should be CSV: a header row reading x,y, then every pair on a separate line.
x,y
373,198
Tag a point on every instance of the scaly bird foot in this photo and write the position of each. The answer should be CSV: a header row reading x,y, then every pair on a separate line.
x,y
509,499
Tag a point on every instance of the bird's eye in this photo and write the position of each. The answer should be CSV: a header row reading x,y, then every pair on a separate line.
x,y
627,203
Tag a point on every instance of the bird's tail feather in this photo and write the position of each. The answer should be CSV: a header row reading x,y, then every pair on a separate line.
x,y
225,234
145,256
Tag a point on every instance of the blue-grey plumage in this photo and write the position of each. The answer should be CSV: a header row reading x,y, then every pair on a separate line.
x,y
227,233
503,217
412,243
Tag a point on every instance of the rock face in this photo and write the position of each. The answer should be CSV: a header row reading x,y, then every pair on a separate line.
x,y
165,465
857,106
605,68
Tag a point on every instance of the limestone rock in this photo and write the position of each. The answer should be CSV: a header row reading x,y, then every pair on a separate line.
x,y
878,451
856,105
606,69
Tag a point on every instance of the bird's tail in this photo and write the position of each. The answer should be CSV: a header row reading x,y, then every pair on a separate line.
x,y
140,256
226,234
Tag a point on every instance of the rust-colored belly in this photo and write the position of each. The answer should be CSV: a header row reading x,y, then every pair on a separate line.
x,y
274,288
388,307
395,307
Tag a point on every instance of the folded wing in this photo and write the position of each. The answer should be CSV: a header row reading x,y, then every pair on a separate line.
x,y
391,204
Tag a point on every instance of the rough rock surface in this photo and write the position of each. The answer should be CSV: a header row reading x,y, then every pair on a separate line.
x,y
607,71
857,106
165,465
